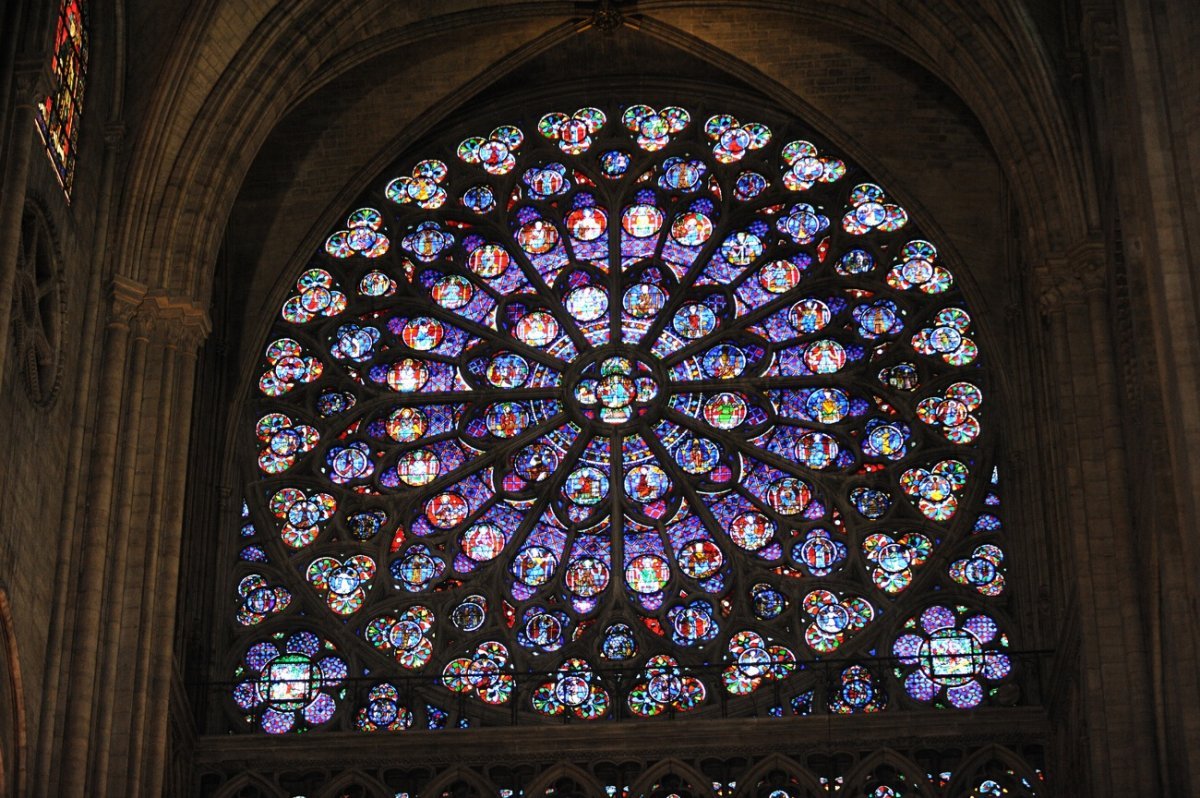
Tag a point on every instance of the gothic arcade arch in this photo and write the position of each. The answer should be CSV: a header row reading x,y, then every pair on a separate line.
x,y
819,697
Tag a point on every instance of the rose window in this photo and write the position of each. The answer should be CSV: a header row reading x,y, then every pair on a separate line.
x,y
684,396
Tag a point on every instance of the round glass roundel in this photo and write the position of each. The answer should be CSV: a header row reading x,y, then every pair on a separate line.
x,y
627,388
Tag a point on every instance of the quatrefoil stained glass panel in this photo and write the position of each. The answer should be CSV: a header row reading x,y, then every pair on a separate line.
x,y
683,397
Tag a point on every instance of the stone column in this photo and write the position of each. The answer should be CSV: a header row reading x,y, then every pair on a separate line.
x,y
83,643
1144,91
125,535
1115,694
1055,487
121,632
193,328
74,498
125,781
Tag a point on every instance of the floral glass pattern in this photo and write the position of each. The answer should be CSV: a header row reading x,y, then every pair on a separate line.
x,y
632,389
955,652
290,682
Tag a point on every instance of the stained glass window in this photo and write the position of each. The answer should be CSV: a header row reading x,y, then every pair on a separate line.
x,y
630,411
60,112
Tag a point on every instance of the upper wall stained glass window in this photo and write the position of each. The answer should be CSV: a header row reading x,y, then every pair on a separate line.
x,y
59,113
622,412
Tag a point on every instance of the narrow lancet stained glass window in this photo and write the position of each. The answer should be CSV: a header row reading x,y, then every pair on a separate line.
x,y
627,412
60,113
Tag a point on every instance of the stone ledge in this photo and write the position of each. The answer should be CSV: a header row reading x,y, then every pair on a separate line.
x,y
681,737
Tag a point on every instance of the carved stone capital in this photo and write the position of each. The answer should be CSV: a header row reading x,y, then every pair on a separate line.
x,y
1050,301
179,321
124,297
143,325
1069,278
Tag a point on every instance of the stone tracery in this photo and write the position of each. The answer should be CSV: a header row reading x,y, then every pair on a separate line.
x,y
639,406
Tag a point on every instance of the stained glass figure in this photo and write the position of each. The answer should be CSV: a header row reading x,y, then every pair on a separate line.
x,y
638,389
60,113
856,690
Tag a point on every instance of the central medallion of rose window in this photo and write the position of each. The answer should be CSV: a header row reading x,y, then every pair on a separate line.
x,y
615,389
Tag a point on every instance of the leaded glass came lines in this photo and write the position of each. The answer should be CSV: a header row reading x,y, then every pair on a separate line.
x,y
59,114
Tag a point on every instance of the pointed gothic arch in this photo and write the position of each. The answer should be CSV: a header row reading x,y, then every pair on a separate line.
x,y
459,781
681,774
888,768
750,785
248,785
999,764
353,784
583,781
